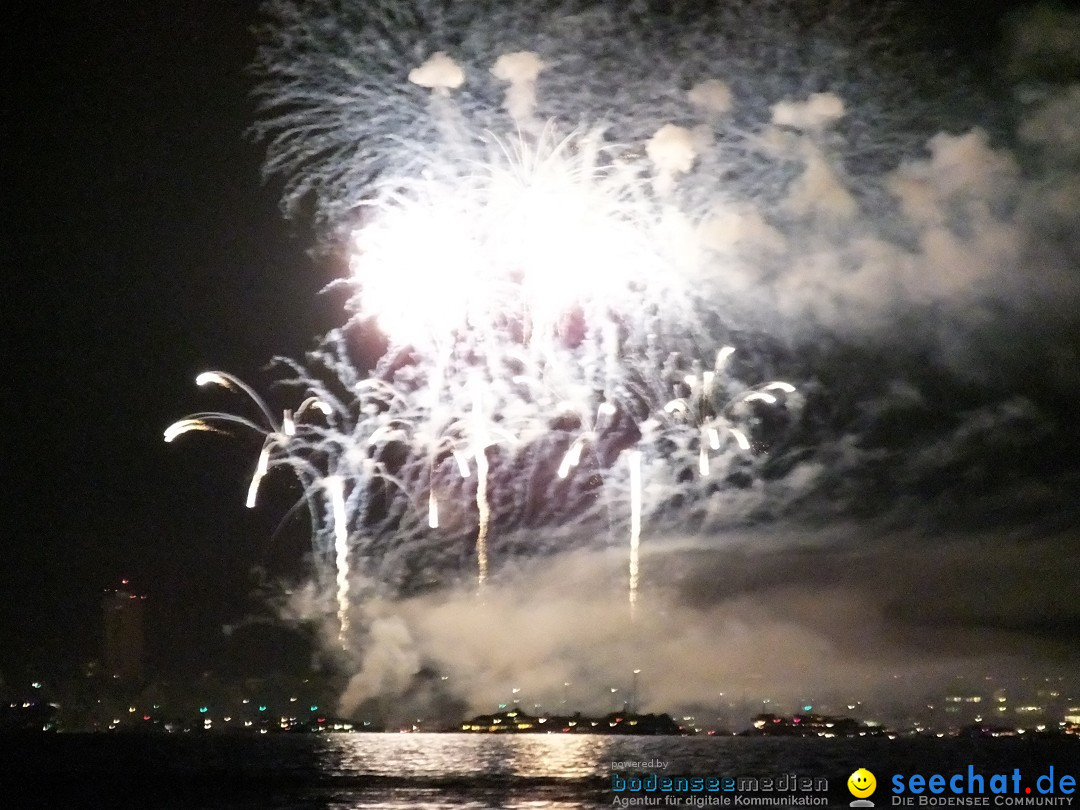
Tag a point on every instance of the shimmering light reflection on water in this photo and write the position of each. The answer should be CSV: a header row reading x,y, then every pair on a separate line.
x,y
468,770
536,756
457,771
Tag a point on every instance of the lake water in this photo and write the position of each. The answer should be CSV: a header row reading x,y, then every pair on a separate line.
x,y
338,772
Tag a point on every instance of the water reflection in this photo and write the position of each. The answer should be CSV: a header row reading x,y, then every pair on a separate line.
x,y
343,772
525,772
443,756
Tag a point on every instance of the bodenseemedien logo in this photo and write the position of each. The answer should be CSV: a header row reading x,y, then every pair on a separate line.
x,y
862,784
656,788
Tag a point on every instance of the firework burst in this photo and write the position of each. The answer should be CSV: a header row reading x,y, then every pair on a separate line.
x,y
545,207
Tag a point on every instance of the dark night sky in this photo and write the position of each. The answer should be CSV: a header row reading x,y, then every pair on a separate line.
x,y
141,247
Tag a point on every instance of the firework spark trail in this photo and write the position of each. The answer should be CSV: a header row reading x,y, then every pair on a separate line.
x,y
433,510
312,451
635,527
483,509
357,449
480,439
261,467
698,409
335,488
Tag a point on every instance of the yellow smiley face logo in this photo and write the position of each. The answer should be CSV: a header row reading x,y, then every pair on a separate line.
x,y
861,783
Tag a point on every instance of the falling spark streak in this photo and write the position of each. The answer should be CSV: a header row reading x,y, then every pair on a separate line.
x,y
722,356
483,509
462,463
387,433
698,408
635,527
289,419
260,470
186,425
335,486
317,404
213,378
740,437
787,388
480,440
233,383
572,457
565,465
575,453
432,511
714,438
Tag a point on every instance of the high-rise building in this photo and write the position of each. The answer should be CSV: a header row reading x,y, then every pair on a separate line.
x,y
123,610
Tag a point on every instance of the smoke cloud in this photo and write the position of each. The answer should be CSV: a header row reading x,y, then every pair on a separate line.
x,y
769,615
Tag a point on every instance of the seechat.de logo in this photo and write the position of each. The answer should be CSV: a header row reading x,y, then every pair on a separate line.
x,y
861,783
